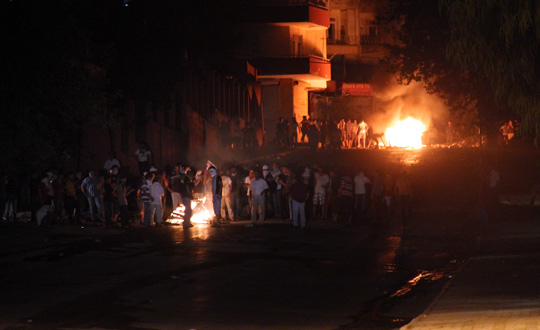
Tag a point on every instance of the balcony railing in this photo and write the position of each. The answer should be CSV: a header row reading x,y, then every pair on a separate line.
x,y
301,65
290,11
369,40
318,3
364,40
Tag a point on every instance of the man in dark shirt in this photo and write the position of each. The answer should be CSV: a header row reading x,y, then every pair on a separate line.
x,y
236,192
304,128
184,185
299,192
217,189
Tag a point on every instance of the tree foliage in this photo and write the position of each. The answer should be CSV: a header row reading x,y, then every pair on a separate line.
x,y
66,63
44,96
420,34
501,39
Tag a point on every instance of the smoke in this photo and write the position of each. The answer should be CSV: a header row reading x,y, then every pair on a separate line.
x,y
394,102
221,160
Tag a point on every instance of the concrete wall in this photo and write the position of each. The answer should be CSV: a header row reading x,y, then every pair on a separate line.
x,y
273,40
278,41
166,145
204,139
286,100
314,41
271,101
300,95
278,102
198,140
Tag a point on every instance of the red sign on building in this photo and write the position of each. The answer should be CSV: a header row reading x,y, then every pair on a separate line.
x,y
356,89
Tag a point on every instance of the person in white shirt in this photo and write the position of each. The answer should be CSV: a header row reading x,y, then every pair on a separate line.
x,y
360,181
226,203
146,198
144,158
258,187
156,205
362,134
322,182
112,161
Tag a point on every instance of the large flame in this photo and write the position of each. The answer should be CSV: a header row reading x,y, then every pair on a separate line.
x,y
406,133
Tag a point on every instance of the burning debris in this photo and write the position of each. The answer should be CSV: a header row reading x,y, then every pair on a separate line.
x,y
412,133
201,215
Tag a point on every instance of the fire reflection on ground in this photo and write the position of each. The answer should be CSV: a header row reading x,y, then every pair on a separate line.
x,y
409,157
200,219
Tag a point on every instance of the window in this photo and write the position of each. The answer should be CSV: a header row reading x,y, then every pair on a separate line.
x,y
373,29
332,30
370,33
298,41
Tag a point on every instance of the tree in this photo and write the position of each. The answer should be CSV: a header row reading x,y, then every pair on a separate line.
x,y
45,95
66,63
501,39
420,36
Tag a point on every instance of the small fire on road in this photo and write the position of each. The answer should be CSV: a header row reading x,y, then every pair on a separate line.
x,y
406,133
201,215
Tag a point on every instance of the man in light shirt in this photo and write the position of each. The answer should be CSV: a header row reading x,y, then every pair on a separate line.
x,y
322,182
258,187
89,188
227,213
360,181
362,134
156,205
144,158
112,161
146,198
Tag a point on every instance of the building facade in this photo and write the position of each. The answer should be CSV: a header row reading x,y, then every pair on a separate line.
x,y
355,47
286,42
197,122
281,59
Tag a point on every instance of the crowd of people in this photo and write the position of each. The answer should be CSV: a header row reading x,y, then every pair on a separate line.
x,y
111,197
348,133
326,134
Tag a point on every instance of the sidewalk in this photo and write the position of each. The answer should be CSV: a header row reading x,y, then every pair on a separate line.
x,y
499,289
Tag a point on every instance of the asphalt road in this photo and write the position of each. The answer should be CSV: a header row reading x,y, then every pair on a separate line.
x,y
233,277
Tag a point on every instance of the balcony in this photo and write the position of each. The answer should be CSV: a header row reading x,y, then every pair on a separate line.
x,y
343,49
318,3
311,69
370,40
291,11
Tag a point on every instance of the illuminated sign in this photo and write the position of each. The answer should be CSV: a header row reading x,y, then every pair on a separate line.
x,y
356,89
